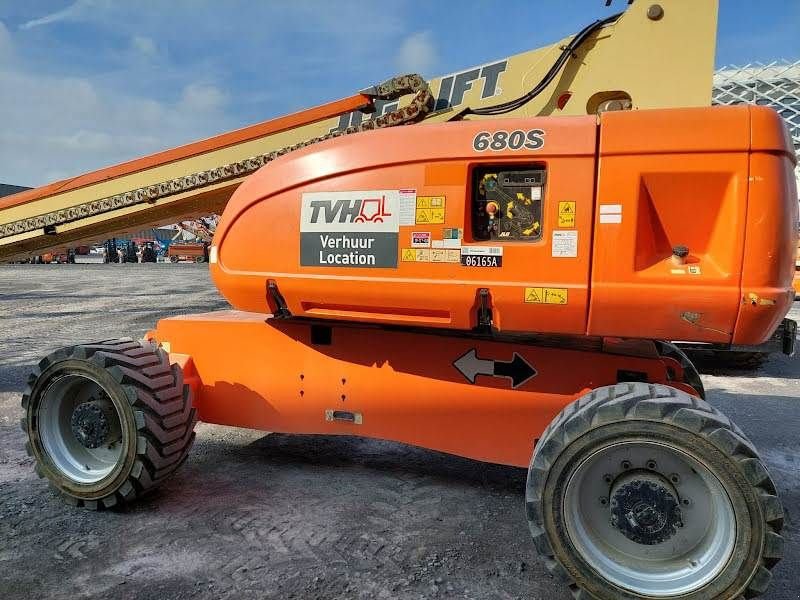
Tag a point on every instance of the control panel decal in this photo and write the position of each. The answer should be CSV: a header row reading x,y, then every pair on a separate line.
x,y
507,205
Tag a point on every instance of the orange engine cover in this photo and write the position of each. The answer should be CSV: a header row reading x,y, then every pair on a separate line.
x,y
667,224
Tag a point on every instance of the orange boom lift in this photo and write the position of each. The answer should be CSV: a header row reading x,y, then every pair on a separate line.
x,y
497,289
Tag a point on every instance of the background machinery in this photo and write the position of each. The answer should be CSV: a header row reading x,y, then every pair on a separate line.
x,y
494,288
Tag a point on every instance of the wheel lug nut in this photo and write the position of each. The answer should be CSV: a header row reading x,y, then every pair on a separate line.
x,y
603,500
686,502
608,478
675,478
651,464
625,464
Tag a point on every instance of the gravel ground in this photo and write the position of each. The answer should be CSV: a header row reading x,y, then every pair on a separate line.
x,y
272,516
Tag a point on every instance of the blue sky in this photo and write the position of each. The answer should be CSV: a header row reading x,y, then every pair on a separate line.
x,y
88,83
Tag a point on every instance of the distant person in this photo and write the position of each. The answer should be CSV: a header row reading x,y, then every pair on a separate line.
x,y
149,254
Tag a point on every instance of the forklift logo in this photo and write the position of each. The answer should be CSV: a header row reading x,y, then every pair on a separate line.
x,y
373,210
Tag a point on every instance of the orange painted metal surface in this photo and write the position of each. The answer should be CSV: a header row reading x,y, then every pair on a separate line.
x,y
269,375
435,160
312,115
716,180
628,191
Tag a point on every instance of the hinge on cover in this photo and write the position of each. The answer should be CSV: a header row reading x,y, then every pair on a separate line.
x,y
276,302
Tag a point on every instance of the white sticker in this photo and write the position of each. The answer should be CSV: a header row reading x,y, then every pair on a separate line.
x,y
607,209
617,218
408,207
437,244
451,243
565,244
481,256
212,255
536,193
481,251
420,239
360,211
356,229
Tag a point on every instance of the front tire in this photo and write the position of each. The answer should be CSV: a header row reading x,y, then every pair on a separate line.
x,y
644,491
107,422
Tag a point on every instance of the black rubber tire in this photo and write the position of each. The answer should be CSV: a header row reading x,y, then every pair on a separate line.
x,y
155,408
710,360
630,409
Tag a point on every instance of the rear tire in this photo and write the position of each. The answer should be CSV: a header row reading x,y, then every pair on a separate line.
x,y
614,529
107,422
710,360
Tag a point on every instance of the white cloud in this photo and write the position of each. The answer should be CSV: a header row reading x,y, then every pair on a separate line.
x,y
75,11
144,46
142,85
61,126
417,54
6,45
199,97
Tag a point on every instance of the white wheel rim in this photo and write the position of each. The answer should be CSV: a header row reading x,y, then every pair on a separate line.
x,y
73,460
686,562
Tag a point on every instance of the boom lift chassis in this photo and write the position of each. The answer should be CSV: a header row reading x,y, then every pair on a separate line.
x,y
637,488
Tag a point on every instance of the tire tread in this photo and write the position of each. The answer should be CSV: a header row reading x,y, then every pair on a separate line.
x,y
162,406
654,402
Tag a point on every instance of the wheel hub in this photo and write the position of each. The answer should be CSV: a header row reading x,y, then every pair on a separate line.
x,y
93,424
645,508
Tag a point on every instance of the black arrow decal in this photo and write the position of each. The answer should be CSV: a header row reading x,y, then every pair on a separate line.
x,y
518,370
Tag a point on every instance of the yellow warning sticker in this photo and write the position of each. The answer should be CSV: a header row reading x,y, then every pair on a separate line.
x,y
427,216
534,295
430,201
555,295
545,295
430,209
566,214
439,255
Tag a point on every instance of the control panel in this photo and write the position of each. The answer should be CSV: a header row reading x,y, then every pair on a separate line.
x,y
507,204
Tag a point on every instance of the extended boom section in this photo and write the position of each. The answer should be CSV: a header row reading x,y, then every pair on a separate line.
x,y
612,68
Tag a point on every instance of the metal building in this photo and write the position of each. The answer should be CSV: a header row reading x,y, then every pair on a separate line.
x,y
776,85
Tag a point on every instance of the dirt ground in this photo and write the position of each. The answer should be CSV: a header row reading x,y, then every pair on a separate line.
x,y
272,516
